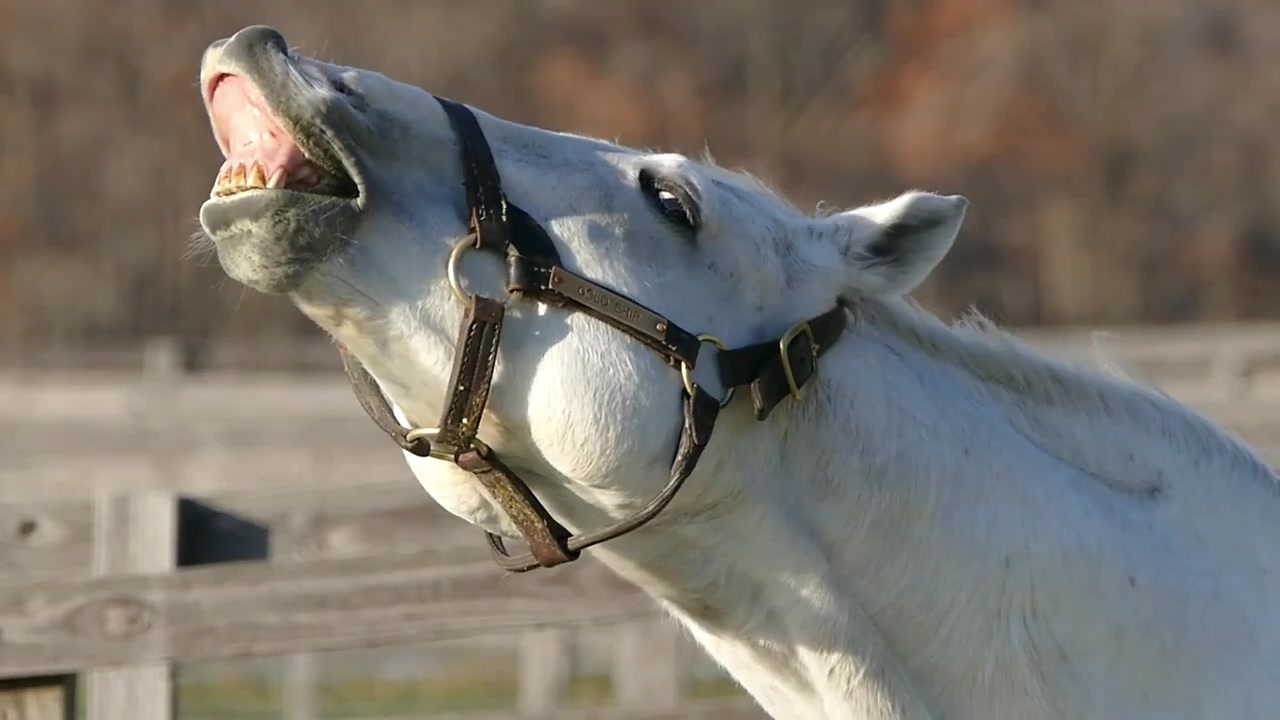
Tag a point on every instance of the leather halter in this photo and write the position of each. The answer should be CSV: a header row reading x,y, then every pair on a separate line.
x,y
774,369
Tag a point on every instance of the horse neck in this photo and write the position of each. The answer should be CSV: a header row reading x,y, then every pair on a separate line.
x,y
798,535
916,489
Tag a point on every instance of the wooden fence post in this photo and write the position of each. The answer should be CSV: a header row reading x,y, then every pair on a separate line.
x,y
138,533
1228,370
133,533
646,665
546,665
299,696
153,531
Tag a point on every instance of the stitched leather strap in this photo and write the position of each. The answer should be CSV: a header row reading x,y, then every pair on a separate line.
x,y
547,539
474,359
487,203
557,286
498,224
700,412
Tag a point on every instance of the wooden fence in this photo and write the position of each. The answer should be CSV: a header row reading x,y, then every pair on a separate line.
x,y
161,518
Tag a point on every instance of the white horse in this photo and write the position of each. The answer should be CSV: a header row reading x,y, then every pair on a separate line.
x,y
947,525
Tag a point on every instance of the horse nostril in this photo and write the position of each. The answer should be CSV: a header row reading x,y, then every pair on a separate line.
x,y
261,36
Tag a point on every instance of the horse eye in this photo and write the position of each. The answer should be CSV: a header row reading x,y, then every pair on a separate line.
x,y
341,86
674,209
672,202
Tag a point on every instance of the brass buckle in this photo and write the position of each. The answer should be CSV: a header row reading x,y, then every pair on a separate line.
x,y
784,343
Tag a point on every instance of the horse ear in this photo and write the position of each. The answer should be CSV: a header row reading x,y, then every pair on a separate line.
x,y
889,248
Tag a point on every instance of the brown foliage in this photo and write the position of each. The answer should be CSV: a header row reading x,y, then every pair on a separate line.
x,y
1120,156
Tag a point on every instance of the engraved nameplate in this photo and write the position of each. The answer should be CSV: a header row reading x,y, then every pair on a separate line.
x,y
609,303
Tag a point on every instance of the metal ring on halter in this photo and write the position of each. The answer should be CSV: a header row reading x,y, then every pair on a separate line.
x,y
420,433
455,258
455,279
686,372
438,452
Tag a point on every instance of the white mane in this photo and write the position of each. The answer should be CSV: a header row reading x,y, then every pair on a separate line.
x,y
994,356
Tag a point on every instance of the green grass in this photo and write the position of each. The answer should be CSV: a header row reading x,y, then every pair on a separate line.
x,y
358,696
233,696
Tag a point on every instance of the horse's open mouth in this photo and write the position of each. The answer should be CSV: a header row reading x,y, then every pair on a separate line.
x,y
267,153
290,191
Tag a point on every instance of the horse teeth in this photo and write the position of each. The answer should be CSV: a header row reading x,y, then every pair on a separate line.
x,y
220,184
257,176
278,178
240,177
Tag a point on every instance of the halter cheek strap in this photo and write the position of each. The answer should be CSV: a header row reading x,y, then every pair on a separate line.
x,y
773,370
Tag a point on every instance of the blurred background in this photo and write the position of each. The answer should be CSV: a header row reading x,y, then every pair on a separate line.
x,y
1121,158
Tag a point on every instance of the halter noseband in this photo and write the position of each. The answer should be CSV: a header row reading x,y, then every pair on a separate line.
x,y
774,370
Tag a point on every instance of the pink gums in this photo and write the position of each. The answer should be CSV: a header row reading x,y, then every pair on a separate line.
x,y
248,133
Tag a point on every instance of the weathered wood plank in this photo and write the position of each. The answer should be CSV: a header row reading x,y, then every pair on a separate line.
x,y
49,540
45,540
39,698
383,519
324,464
239,398
257,609
220,470
133,533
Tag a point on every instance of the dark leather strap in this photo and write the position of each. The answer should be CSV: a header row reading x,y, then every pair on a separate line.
x,y
547,539
474,359
487,203
370,397
557,286
497,223
764,366
700,412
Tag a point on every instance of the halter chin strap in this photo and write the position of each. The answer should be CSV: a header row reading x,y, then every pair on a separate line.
x,y
773,370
